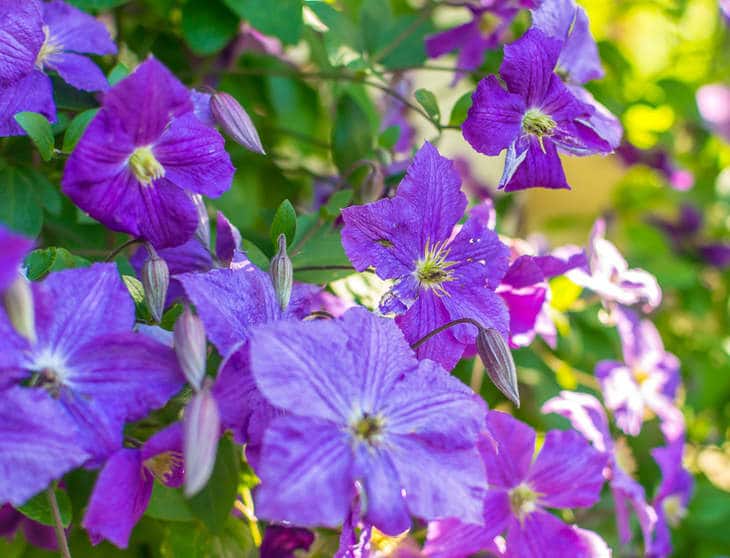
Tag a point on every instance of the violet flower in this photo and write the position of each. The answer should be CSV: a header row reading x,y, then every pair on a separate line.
x,y
647,380
490,22
37,534
124,486
365,415
282,541
142,156
610,277
87,372
567,473
587,416
440,275
13,248
660,160
672,497
533,118
39,36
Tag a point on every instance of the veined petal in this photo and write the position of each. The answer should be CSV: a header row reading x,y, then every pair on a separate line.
x,y
21,37
539,169
78,71
528,65
480,256
507,464
541,535
166,216
75,30
31,93
622,395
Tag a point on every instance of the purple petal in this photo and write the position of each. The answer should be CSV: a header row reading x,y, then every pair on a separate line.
x,y
561,261
32,93
539,169
13,248
75,30
541,535
78,71
227,239
165,214
479,254
427,313
201,104
169,441
62,329
716,254
382,234
450,538
509,463
483,305
622,395
568,471
494,119
201,424
145,101
231,302
119,499
528,65
586,415
282,541
194,157
21,37
433,186
302,456
39,535
625,489
446,41
38,443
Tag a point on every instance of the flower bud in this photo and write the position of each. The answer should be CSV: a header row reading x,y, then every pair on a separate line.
x,y
201,425
235,121
18,303
155,279
202,232
373,186
282,273
497,358
190,347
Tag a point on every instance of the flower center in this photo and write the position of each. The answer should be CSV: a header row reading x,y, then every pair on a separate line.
x,y
640,375
522,500
48,48
162,465
488,22
433,269
537,123
368,428
673,509
145,166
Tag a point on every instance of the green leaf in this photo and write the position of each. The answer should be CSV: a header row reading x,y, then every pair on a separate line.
x,y
318,244
77,128
39,130
461,107
168,504
207,26
213,504
97,5
41,262
428,101
255,254
20,207
185,541
117,74
337,201
389,137
285,222
38,508
234,542
283,22
136,291
352,136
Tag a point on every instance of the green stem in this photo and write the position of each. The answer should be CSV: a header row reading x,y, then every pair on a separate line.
x,y
113,254
444,327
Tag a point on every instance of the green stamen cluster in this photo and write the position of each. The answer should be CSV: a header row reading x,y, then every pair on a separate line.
x,y
368,428
537,123
433,269
145,166
522,500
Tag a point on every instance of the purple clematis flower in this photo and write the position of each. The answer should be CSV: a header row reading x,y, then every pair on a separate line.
x,y
36,37
609,275
660,160
13,248
490,22
37,534
87,372
535,117
567,473
587,416
143,155
365,413
672,497
231,302
685,238
441,275
647,380
124,486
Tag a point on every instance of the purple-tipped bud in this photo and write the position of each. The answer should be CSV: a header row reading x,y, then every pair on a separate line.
x,y
201,425
18,303
497,359
282,273
202,232
373,186
155,279
235,121
190,347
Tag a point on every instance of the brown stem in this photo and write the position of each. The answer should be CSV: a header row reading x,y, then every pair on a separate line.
x,y
58,524
444,327
118,249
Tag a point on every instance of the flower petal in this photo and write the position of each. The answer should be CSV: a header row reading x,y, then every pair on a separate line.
x,y
541,535
539,169
21,37
509,462
528,65
32,93
75,30
78,71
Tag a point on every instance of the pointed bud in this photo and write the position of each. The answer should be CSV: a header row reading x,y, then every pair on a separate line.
x,y
202,232
190,347
373,186
282,273
235,121
155,279
201,425
497,358
18,303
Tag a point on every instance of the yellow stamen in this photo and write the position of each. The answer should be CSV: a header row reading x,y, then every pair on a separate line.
x,y
161,465
432,270
523,500
145,166
48,48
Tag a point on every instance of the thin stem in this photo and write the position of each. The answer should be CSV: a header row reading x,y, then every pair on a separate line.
x,y
325,268
113,254
444,327
58,524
